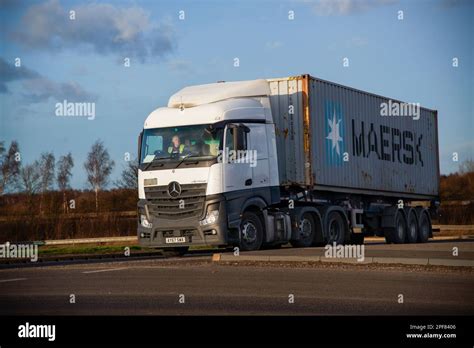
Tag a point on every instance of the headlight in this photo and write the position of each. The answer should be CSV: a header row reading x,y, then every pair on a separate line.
x,y
211,217
144,222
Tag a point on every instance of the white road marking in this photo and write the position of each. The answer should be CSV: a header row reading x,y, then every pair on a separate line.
x,y
105,270
11,280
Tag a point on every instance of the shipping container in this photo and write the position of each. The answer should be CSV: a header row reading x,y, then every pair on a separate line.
x,y
337,138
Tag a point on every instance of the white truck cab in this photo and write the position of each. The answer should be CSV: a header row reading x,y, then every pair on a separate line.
x,y
192,191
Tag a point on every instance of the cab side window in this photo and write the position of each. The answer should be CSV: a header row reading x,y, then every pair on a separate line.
x,y
236,139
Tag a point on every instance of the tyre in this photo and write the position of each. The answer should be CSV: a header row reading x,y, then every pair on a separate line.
x,y
357,238
307,230
424,227
412,227
270,246
335,228
251,232
398,233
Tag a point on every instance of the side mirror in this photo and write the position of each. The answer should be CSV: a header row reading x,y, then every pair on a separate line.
x,y
244,128
139,152
240,137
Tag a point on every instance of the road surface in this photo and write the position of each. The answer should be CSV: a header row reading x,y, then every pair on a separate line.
x,y
441,249
197,286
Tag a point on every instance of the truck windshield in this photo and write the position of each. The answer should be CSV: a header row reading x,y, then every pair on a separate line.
x,y
177,143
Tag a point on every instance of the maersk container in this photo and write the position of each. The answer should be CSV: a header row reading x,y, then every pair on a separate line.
x,y
334,138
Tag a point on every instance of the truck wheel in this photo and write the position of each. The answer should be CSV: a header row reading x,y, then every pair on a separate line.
x,y
270,246
306,230
357,238
424,227
412,231
336,229
398,233
251,232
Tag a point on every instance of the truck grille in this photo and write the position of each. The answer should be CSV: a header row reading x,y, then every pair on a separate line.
x,y
162,205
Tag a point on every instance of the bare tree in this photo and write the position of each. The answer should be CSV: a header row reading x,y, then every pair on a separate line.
x,y
466,167
129,176
29,181
65,165
9,165
98,167
46,168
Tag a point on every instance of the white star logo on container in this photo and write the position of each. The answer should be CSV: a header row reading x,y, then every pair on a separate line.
x,y
334,135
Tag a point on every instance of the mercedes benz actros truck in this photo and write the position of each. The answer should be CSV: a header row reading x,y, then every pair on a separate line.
x,y
295,160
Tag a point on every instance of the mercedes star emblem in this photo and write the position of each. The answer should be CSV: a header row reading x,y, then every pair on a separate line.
x,y
174,189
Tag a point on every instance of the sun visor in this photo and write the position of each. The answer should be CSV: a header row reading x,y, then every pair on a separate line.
x,y
213,92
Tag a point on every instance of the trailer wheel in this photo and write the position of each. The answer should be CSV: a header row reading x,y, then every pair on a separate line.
x,y
424,227
251,232
306,230
412,227
336,229
397,234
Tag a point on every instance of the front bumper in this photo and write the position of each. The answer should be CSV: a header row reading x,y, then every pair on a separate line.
x,y
209,235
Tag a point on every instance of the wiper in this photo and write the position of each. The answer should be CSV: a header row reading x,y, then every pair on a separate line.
x,y
153,160
184,157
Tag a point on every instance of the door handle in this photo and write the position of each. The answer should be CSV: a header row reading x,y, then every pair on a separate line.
x,y
248,182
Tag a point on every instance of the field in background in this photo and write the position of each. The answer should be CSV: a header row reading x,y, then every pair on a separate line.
x,y
46,217
26,218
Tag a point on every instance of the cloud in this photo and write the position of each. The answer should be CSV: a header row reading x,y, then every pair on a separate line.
x,y
9,73
10,4
358,41
37,88
180,66
346,7
42,89
273,44
101,27
466,146
453,3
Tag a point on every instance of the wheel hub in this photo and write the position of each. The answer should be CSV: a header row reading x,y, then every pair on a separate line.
x,y
413,229
334,230
305,227
400,229
249,232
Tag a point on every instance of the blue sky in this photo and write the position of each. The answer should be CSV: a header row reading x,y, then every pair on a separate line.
x,y
409,59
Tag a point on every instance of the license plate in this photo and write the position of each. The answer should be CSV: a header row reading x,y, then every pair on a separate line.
x,y
175,240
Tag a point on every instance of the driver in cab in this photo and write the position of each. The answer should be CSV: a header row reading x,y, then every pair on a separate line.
x,y
176,148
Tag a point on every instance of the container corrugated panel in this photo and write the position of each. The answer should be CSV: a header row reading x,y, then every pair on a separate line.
x,y
354,148
286,105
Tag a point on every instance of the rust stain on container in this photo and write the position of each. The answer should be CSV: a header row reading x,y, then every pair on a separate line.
x,y
366,176
306,130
